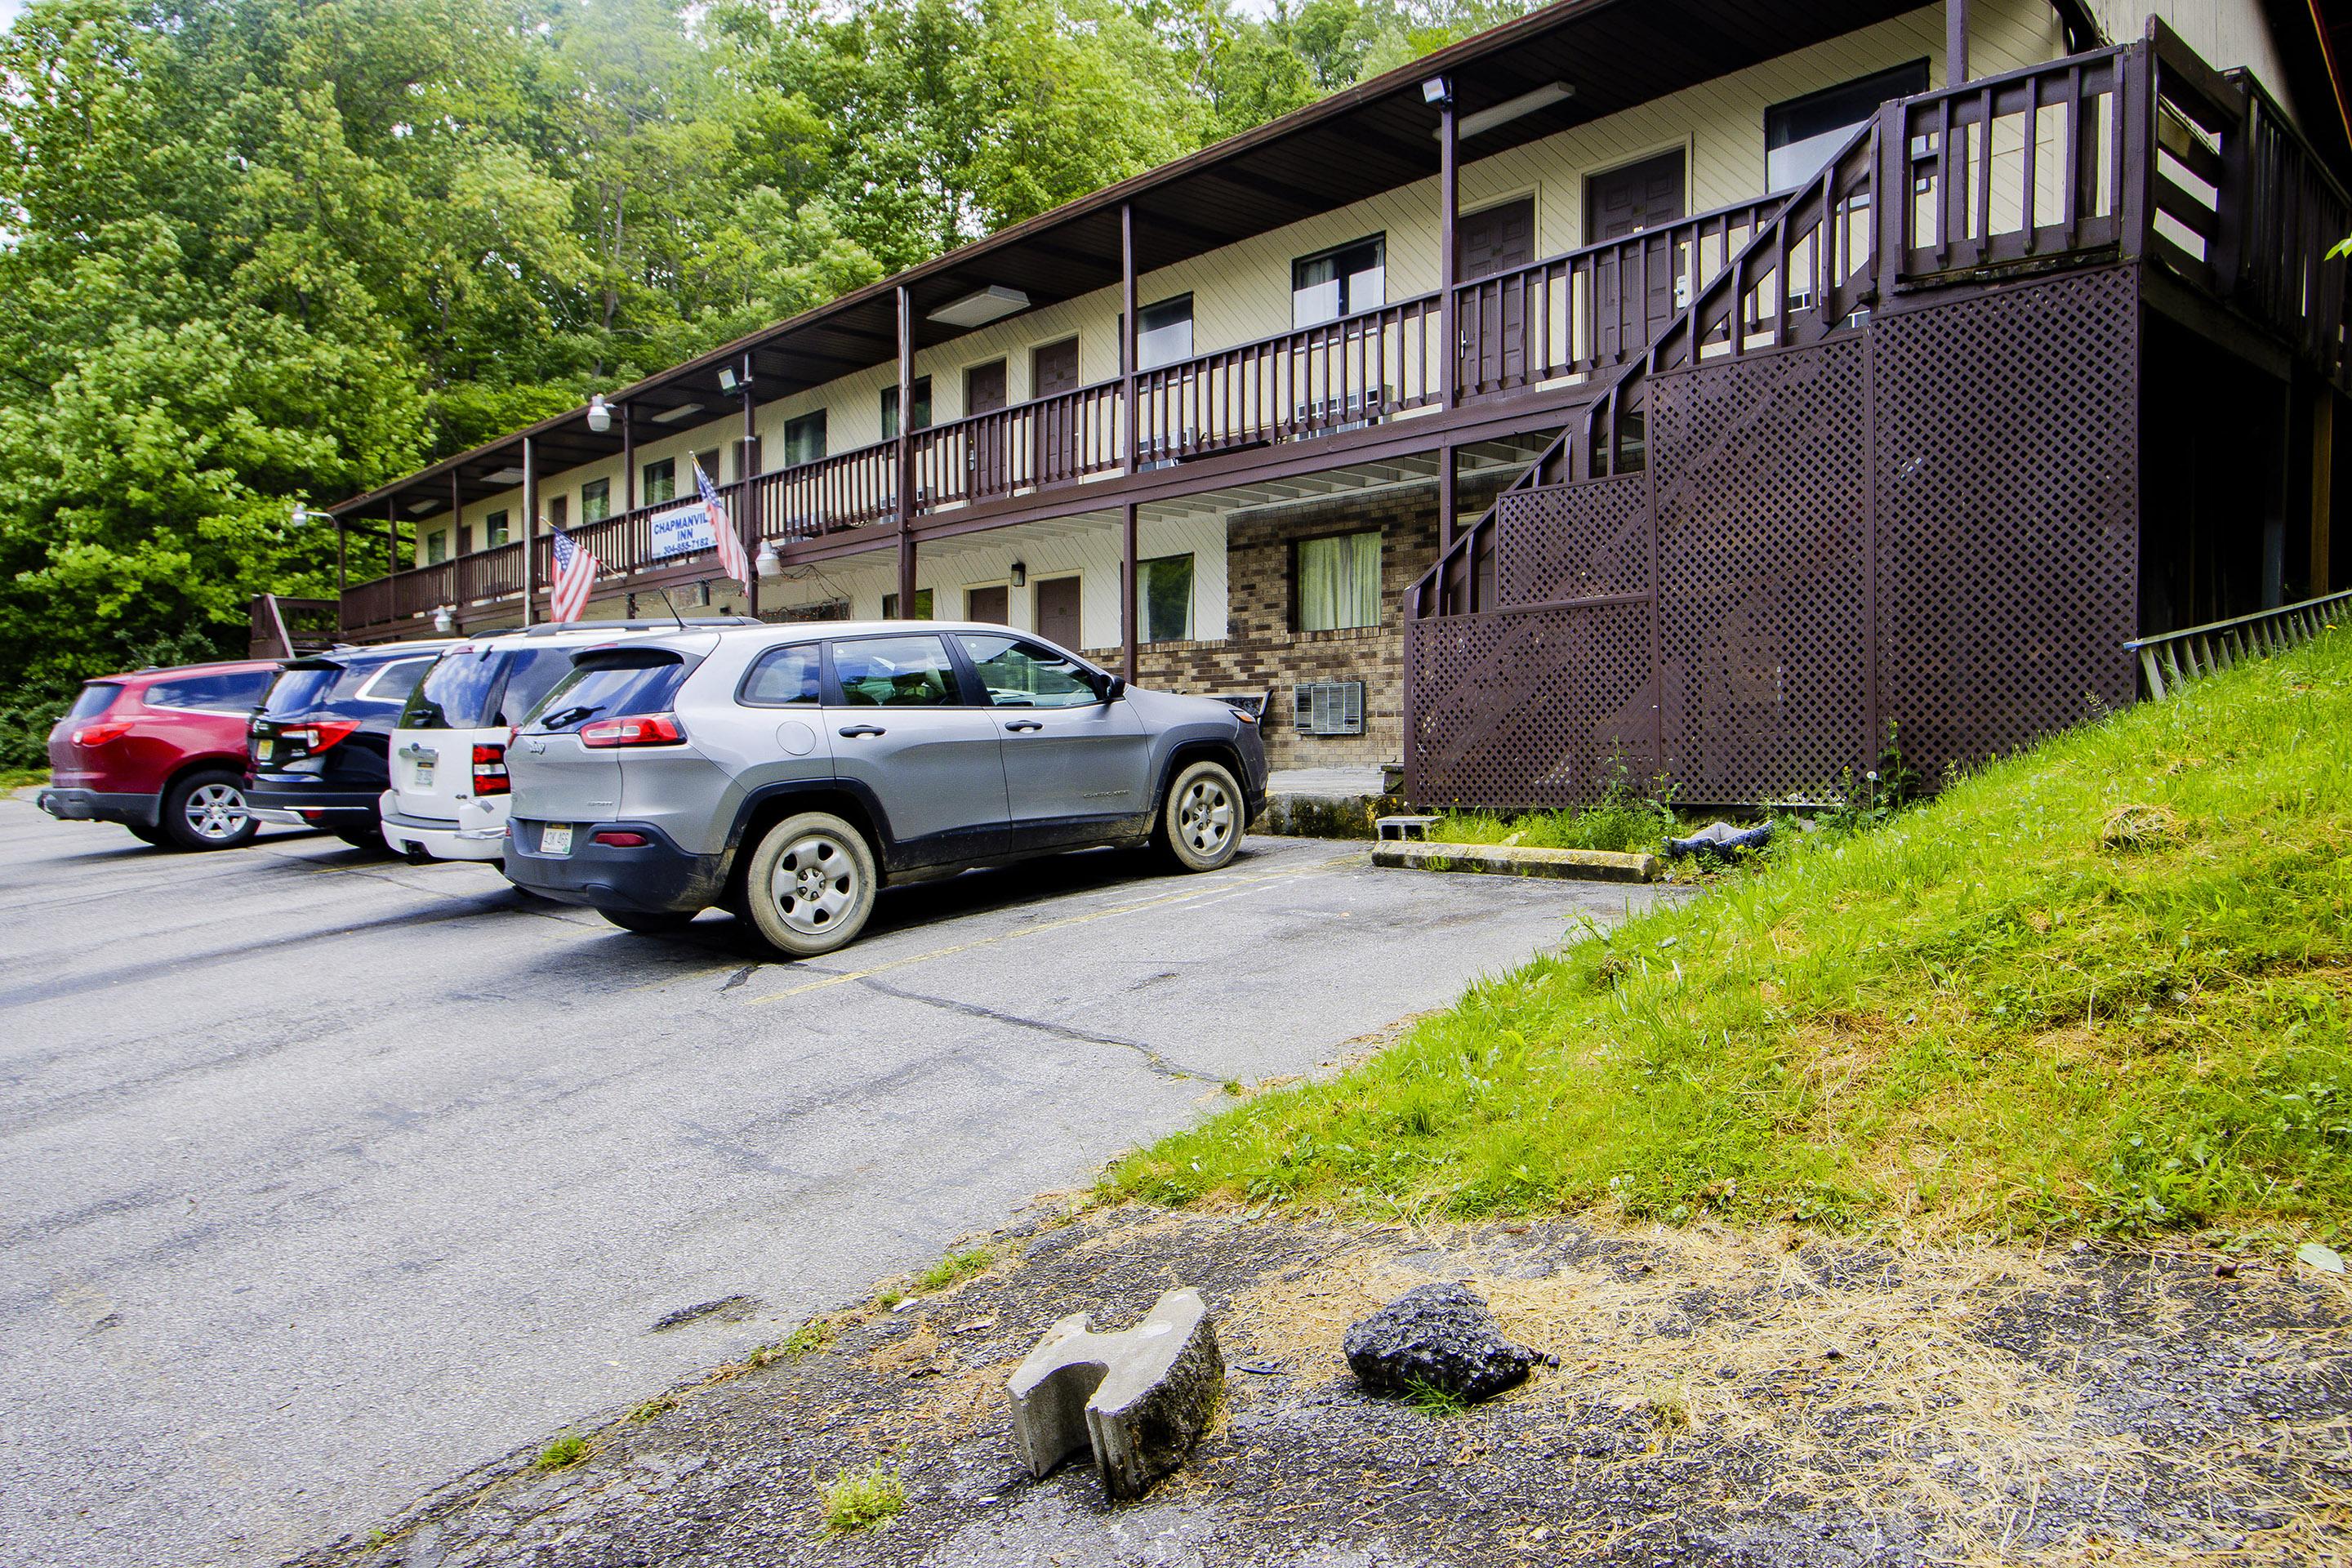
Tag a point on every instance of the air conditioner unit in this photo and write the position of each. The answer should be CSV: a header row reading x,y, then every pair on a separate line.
x,y
1327,707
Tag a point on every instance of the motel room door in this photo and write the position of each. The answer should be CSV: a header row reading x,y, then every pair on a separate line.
x,y
1493,324
1634,288
983,393
1054,370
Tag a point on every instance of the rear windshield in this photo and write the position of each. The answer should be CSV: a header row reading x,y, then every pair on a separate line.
x,y
235,692
363,685
96,698
456,691
530,676
610,685
302,689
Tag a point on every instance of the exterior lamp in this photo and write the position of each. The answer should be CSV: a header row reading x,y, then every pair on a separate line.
x,y
444,622
767,562
1020,574
1437,92
732,382
297,514
600,414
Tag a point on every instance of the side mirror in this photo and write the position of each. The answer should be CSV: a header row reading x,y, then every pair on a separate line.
x,y
1114,687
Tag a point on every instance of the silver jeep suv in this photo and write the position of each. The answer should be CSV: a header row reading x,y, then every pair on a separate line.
x,y
789,774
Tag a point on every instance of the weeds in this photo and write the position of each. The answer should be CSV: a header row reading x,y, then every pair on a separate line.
x,y
1433,1400
1626,818
657,1406
811,1337
562,1453
860,1500
1974,1019
954,1269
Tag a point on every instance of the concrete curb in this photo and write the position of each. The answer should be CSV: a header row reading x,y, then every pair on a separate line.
x,y
1141,1398
1511,860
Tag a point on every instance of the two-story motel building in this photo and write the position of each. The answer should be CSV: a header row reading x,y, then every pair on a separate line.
x,y
1817,364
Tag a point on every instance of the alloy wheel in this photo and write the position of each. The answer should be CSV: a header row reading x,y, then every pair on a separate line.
x,y
815,883
216,812
1206,816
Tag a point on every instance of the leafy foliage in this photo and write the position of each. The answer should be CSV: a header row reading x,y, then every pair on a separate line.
x,y
257,251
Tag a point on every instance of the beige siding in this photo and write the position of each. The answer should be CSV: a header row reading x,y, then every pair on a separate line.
x,y
1242,292
2226,32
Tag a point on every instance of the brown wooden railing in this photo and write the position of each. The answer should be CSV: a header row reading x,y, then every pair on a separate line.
x,y
848,490
1047,441
1570,315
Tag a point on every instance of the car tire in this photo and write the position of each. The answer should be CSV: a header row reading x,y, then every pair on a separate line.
x,y
155,836
206,810
650,922
811,884
1201,821
368,840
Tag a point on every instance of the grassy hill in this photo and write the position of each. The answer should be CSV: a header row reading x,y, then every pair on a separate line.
x,y
2102,985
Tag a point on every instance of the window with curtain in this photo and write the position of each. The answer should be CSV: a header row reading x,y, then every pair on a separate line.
x,y
1163,592
437,548
922,407
803,440
661,481
595,500
1338,282
1339,582
1163,332
922,606
1800,135
494,528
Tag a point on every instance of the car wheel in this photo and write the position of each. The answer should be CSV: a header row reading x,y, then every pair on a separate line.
x,y
811,884
650,922
206,810
1200,826
154,835
369,839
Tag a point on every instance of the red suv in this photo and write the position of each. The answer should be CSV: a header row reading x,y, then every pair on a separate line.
x,y
162,753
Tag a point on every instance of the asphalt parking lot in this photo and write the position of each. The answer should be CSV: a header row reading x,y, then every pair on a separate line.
x,y
324,1178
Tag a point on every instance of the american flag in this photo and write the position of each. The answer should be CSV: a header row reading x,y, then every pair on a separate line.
x,y
575,579
731,548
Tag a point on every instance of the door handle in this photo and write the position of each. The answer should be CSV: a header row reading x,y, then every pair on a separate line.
x,y
1026,724
852,731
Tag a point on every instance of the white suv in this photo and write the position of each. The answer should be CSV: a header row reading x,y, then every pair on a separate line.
x,y
448,799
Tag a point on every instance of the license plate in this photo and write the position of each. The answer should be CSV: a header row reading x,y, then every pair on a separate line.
x,y
555,839
424,775
261,750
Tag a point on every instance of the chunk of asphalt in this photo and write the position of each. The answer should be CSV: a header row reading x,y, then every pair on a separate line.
x,y
1437,1337
1139,1398
727,1309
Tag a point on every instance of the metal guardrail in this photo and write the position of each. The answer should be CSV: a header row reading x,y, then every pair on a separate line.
x,y
2173,659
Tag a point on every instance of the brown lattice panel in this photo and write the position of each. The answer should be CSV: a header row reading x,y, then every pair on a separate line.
x,y
1573,542
2008,517
1529,707
1762,467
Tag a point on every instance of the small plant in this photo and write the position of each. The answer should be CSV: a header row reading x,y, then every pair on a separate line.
x,y
654,1407
809,1337
1669,1413
1433,1400
954,1269
888,1297
562,1454
860,1500
2133,829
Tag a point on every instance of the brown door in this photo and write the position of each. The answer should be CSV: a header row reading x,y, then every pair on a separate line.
x,y
1052,370
1494,318
1058,611
465,539
987,605
1634,289
983,393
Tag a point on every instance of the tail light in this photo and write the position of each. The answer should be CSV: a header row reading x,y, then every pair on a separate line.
x,y
491,770
101,733
619,839
317,735
639,729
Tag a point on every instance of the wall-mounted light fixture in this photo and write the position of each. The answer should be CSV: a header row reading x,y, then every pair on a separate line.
x,y
1020,574
600,414
297,514
767,562
733,382
1437,92
444,621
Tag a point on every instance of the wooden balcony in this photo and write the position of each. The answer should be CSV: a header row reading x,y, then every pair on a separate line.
x,y
2137,151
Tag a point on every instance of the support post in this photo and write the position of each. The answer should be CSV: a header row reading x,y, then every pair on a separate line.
x,y
1126,594
390,537
1449,261
628,460
1955,47
2322,488
906,453
1132,415
342,561
1445,488
529,528
747,513
456,516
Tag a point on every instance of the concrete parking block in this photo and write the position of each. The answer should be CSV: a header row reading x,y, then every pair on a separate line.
x,y
1139,1398
1514,860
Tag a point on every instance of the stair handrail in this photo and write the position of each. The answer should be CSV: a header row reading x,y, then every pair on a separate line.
x,y
1547,463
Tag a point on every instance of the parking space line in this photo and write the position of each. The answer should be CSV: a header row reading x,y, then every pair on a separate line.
x,y
1039,927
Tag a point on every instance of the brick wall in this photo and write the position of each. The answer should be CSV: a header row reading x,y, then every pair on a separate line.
x,y
1261,650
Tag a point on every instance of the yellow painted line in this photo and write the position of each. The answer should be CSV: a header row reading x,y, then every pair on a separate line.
x,y
1042,927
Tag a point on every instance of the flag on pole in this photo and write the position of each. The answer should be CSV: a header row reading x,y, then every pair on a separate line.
x,y
575,579
730,545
